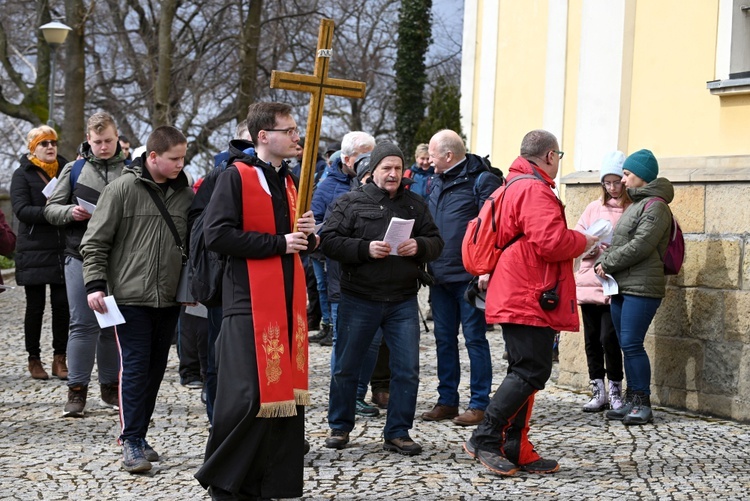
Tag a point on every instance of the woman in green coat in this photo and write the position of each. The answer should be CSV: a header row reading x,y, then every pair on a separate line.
x,y
635,261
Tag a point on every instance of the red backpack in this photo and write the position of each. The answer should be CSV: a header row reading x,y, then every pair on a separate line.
x,y
674,256
479,249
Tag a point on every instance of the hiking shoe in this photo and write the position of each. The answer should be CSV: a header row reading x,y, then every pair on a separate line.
x,y
496,463
110,394
541,465
148,452
381,399
640,412
615,395
59,367
403,445
599,400
194,384
337,439
133,459
327,340
470,449
619,414
76,401
471,417
366,410
37,370
325,330
440,412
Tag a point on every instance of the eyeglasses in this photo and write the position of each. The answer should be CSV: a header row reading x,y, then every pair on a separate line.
x,y
613,184
44,144
559,153
291,131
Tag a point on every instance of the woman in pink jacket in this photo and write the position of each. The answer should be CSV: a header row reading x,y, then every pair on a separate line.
x,y
600,338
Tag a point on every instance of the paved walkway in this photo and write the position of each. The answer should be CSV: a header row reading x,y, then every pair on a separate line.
x,y
43,456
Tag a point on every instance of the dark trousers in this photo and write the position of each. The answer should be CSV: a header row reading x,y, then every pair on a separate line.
x,y
600,339
144,340
380,381
214,327
506,421
314,313
192,347
36,298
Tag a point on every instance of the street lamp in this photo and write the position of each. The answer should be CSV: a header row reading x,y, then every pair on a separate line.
x,y
55,34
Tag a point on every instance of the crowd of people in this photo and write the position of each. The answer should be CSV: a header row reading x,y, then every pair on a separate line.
x,y
350,268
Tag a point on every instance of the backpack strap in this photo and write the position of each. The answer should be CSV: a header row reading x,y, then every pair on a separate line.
x,y
75,171
517,178
168,218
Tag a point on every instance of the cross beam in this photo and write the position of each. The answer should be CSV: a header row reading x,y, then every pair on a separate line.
x,y
318,85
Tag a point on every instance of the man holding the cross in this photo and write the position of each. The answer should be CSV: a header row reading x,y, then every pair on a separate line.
x,y
255,449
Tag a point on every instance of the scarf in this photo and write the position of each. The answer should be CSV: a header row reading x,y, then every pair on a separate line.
x,y
282,369
49,168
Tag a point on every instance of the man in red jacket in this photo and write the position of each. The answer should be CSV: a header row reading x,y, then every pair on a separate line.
x,y
532,295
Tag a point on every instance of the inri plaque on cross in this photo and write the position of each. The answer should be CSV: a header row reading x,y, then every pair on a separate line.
x,y
318,85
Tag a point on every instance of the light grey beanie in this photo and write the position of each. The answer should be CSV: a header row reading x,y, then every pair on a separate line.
x,y
612,164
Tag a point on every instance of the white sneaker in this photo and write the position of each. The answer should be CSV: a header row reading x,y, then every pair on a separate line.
x,y
599,400
615,395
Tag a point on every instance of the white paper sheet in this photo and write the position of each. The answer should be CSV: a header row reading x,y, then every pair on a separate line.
x,y
399,230
113,315
47,191
601,228
609,285
88,206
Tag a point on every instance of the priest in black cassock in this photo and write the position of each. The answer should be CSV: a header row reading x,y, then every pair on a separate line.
x,y
256,446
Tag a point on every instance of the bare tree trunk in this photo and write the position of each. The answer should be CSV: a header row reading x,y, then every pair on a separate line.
x,y
164,78
73,129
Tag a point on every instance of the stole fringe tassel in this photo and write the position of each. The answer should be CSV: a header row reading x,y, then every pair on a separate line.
x,y
287,408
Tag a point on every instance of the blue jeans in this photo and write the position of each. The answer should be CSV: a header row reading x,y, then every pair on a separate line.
x,y
87,342
359,320
321,277
371,358
449,311
632,315
145,339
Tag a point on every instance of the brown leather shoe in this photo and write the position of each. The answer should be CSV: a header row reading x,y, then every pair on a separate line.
x,y
59,367
440,412
36,369
381,399
471,417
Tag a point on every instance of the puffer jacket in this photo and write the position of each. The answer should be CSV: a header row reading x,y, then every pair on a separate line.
x,y
335,184
40,246
453,203
128,246
588,287
7,241
539,260
95,175
422,184
641,236
362,216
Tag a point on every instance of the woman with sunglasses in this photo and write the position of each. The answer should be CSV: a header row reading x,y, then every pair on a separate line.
x,y
39,250
603,353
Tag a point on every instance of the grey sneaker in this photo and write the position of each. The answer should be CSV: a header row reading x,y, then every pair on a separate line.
x,y
640,412
133,459
148,452
76,401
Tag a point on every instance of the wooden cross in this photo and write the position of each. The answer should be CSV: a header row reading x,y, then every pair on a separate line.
x,y
318,85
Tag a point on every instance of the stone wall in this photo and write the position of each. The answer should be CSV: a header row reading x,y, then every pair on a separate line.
x,y
699,341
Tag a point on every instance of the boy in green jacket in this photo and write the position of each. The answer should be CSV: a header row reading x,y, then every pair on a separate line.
x,y
133,251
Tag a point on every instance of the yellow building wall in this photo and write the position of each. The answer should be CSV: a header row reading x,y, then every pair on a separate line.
x,y
519,92
673,113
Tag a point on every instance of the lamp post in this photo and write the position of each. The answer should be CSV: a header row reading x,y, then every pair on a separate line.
x,y
55,34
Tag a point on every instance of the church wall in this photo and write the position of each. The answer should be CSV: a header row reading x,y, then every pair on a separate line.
x,y
699,342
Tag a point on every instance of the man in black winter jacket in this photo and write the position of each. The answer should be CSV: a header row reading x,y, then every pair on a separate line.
x,y
379,283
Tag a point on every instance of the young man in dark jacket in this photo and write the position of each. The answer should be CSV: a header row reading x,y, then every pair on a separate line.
x,y
379,284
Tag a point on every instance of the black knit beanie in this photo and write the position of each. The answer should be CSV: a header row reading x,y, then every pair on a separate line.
x,y
382,150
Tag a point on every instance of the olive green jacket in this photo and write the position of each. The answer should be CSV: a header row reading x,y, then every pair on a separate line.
x,y
640,239
128,246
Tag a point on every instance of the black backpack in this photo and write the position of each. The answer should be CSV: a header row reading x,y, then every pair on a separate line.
x,y
491,170
206,267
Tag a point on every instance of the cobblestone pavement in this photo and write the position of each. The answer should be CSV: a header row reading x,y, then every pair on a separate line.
x,y
44,456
